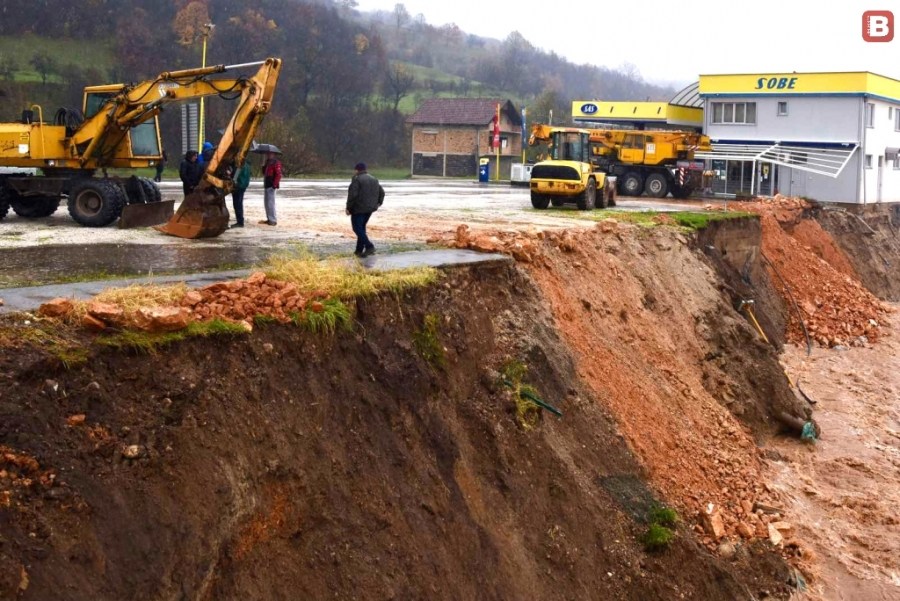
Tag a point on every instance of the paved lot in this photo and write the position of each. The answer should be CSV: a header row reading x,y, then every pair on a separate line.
x,y
310,213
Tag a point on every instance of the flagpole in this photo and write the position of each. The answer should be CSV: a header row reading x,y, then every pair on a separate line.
x,y
524,131
497,143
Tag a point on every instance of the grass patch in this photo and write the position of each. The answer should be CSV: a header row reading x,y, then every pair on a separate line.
x,y
333,316
428,343
661,530
131,298
65,51
70,353
150,343
691,220
527,411
342,278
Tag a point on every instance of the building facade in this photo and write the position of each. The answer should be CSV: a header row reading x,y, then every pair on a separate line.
x,y
451,135
832,137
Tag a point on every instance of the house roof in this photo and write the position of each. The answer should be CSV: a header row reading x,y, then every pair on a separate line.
x,y
463,111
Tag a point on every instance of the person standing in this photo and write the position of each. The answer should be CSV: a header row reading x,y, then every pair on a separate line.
x,y
271,182
241,183
160,166
364,197
190,171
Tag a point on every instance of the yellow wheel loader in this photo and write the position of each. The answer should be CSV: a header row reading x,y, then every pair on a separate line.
x,y
118,127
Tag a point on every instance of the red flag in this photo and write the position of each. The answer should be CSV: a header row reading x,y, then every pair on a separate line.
x,y
496,141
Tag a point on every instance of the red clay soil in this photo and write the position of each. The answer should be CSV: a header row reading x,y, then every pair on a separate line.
x,y
807,265
649,327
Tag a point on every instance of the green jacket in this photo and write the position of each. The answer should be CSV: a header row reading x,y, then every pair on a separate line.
x,y
242,177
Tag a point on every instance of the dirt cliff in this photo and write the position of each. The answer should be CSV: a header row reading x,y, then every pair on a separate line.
x,y
391,461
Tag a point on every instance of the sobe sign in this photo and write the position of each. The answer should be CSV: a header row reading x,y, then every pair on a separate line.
x,y
776,83
589,108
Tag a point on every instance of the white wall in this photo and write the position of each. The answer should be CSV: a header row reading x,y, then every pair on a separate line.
x,y
882,135
809,119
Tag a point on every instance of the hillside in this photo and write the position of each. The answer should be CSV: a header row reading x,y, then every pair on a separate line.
x,y
349,79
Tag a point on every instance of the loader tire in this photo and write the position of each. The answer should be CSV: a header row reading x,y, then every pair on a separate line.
x,y
587,199
603,197
557,202
539,201
95,202
35,207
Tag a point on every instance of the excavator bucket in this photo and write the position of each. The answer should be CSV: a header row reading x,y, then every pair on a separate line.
x,y
202,214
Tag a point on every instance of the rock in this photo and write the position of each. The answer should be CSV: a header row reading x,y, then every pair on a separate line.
x,y
268,347
192,298
162,319
727,550
775,536
745,530
316,307
58,307
766,508
132,451
712,522
246,325
75,420
746,506
90,322
785,528
608,225
463,237
106,312
256,278
93,386
51,388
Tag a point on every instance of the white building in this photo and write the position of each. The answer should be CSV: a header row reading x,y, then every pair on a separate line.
x,y
832,137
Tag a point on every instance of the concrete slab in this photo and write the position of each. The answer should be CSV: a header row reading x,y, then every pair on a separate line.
x,y
30,298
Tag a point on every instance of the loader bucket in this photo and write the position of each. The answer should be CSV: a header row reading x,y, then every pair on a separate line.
x,y
202,214
146,214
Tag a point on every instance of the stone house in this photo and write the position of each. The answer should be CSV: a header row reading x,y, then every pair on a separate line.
x,y
450,135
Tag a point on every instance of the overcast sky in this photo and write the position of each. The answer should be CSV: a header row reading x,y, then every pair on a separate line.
x,y
673,42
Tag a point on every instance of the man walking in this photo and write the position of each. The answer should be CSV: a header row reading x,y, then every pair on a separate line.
x,y
271,181
363,198
241,183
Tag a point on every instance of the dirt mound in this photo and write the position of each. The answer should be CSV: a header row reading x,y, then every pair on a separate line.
x,y
282,464
815,278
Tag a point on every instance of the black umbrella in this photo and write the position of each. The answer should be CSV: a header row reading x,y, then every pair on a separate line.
x,y
265,149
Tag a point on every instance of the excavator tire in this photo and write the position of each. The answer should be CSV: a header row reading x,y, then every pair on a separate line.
x,y
35,207
587,199
95,202
539,201
151,190
202,214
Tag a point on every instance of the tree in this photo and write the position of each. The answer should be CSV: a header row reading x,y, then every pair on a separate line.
x,y
401,16
8,67
45,65
189,24
398,81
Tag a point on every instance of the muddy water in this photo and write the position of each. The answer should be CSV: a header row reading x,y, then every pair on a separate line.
x,y
843,493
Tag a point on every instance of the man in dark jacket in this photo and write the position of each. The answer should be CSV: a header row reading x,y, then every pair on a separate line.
x,y
190,171
363,198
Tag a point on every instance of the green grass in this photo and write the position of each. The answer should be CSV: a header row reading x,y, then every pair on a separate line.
x,y
150,343
661,529
512,372
334,315
21,49
691,220
342,278
428,343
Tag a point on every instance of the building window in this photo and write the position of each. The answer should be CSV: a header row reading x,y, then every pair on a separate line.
x,y
782,109
734,112
897,120
870,114
890,113
897,162
868,161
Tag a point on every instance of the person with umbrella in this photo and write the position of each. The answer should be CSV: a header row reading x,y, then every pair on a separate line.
x,y
271,180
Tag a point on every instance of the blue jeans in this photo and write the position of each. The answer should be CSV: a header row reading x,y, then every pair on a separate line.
x,y
359,221
237,199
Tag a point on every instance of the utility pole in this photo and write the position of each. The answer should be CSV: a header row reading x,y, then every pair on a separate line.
x,y
207,29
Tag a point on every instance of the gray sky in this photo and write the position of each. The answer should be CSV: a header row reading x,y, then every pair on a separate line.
x,y
673,42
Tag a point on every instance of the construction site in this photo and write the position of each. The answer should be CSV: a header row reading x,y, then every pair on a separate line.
x,y
667,400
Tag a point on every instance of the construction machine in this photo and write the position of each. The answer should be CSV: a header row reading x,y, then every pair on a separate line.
x,y
568,175
118,128
655,162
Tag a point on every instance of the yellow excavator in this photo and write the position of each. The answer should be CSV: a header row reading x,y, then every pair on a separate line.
x,y
118,128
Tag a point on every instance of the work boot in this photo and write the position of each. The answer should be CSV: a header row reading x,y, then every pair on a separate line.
x,y
368,252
